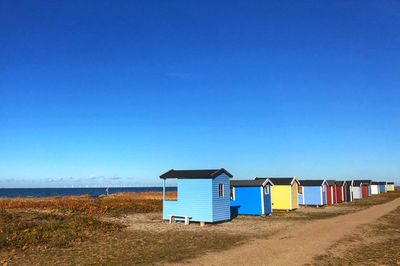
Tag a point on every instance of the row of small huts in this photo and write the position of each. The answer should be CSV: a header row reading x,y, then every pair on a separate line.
x,y
210,196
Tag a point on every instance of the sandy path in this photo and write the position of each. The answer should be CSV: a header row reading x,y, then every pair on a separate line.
x,y
296,246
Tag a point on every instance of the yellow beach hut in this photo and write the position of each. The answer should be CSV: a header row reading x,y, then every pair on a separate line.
x,y
284,193
390,186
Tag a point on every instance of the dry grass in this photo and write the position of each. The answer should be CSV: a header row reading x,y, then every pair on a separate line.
x,y
308,215
133,248
30,229
116,204
376,199
69,230
73,239
314,213
383,251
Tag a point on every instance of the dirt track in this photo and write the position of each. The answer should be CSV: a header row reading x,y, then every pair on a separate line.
x,y
296,246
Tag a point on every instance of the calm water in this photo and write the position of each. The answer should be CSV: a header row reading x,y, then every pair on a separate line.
x,y
94,192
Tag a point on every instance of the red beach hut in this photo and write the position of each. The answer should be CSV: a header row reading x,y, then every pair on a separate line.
x,y
364,190
331,192
329,199
340,191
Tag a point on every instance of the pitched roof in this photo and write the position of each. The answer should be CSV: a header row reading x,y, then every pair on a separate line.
x,y
280,180
359,182
250,183
341,183
208,173
349,183
331,182
378,183
311,183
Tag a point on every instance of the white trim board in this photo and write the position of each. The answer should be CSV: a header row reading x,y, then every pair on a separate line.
x,y
320,193
262,201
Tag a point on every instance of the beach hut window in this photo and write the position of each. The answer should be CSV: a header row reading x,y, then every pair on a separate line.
x,y
232,193
221,190
300,190
170,195
266,190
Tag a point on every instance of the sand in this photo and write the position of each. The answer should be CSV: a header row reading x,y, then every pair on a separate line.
x,y
297,245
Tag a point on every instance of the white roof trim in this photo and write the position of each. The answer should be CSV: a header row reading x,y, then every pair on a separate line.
x,y
266,182
293,180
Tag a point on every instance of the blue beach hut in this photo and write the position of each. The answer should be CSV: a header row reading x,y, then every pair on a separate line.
x,y
202,196
251,197
382,187
313,192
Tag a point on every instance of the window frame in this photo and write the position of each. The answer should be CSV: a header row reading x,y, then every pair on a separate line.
x,y
266,190
167,192
221,192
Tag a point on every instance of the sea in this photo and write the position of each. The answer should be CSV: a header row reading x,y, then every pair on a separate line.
x,y
91,191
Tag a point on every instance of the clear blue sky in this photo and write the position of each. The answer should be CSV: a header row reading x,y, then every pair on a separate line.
x,y
106,93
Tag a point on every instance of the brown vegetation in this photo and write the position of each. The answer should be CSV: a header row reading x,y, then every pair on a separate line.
x,y
130,248
378,244
28,229
377,199
69,230
324,212
122,203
